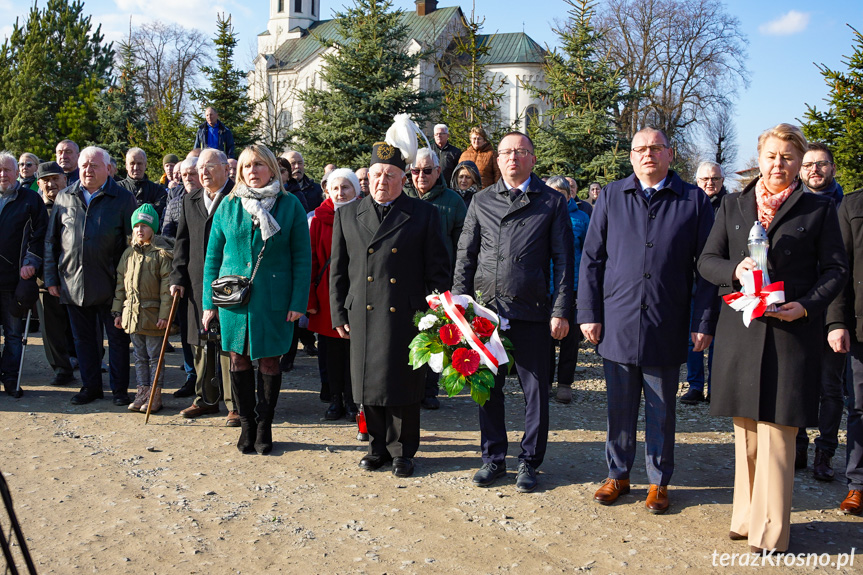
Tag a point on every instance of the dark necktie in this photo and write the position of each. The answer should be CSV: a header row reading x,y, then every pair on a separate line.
x,y
514,194
382,211
649,192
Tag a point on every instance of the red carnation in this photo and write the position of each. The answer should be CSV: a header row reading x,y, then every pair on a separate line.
x,y
460,309
465,361
482,327
450,334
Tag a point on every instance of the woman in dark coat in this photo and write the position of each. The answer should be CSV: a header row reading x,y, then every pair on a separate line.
x,y
766,376
466,181
258,214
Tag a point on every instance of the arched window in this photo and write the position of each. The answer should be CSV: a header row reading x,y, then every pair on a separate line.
x,y
531,118
284,122
281,6
314,7
298,6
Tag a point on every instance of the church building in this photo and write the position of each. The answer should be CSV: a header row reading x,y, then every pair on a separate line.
x,y
289,59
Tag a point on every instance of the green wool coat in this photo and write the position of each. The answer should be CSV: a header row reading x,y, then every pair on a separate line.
x,y
281,284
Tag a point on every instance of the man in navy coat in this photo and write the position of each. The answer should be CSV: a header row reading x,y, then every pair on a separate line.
x,y
635,288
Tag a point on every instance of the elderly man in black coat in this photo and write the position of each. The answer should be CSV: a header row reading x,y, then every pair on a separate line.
x,y
137,182
187,278
388,254
514,230
87,234
22,233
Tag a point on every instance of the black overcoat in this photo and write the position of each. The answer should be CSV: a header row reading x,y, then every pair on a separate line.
x,y
380,274
846,311
771,370
190,250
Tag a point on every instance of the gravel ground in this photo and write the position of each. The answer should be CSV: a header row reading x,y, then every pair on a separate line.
x,y
98,491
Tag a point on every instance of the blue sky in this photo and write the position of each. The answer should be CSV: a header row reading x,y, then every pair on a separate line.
x,y
785,39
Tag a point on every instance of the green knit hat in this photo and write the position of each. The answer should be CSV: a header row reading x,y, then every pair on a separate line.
x,y
146,214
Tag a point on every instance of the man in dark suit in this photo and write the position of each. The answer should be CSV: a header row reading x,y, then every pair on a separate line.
x,y
187,277
513,230
388,254
845,335
635,283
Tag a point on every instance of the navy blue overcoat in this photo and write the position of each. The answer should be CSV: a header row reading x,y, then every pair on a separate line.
x,y
637,271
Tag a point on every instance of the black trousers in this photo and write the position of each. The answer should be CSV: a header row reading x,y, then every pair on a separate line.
x,y
393,430
568,359
56,332
532,341
338,362
831,403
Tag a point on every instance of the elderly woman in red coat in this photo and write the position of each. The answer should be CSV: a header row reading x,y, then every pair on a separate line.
x,y
342,188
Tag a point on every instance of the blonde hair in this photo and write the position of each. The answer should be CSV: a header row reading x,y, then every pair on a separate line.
x,y
786,133
480,132
262,153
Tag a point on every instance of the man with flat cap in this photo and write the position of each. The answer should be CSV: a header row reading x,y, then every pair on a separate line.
x,y
388,254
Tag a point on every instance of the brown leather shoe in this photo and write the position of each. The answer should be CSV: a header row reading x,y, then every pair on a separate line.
x,y
853,504
199,410
610,490
734,536
233,419
657,499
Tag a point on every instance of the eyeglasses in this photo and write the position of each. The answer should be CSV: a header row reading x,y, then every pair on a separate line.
x,y
517,152
210,167
714,180
28,164
820,165
426,171
645,149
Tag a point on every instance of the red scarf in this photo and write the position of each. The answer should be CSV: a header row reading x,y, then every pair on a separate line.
x,y
768,203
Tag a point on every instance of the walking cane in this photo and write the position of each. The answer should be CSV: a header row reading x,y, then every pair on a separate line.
x,y
162,354
18,391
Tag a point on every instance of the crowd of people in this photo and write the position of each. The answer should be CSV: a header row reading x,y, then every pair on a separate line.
x,y
256,256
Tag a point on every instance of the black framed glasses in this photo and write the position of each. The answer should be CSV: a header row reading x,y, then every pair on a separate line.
x,y
426,171
820,165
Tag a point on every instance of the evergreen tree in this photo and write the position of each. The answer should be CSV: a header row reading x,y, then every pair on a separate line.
x,y
168,134
44,63
120,109
841,125
580,139
369,79
471,97
77,118
227,92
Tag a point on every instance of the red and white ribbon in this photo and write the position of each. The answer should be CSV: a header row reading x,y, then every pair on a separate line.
x,y
754,299
492,354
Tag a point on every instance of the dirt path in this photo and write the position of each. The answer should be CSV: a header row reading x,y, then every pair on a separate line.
x,y
97,491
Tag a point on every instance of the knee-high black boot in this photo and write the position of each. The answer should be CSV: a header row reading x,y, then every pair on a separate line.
x,y
243,388
268,395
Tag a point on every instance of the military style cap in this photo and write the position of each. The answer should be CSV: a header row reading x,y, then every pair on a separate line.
x,y
383,153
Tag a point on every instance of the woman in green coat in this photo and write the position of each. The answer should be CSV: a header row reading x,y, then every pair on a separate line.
x,y
258,219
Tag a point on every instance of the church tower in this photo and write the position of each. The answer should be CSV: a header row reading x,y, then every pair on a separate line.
x,y
287,15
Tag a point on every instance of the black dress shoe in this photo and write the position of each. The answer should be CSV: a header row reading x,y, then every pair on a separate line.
x,y
351,412
335,411
121,399
488,474
403,467
62,379
692,397
525,481
86,395
430,403
371,461
822,466
188,389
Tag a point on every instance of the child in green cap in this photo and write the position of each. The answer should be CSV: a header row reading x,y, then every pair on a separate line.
x,y
142,303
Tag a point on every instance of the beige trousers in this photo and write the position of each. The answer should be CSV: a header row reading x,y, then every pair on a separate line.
x,y
763,481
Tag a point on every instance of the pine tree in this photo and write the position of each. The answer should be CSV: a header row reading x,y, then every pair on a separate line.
x,y
77,118
168,134
841,125
369,79
227,92
471,97
45,61
120,109
580,138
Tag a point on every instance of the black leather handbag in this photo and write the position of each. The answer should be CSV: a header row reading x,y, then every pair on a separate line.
x,y
233,291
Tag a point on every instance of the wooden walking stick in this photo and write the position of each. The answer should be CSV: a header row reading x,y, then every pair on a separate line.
x,y
162,354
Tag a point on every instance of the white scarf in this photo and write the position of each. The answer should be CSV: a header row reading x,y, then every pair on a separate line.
x,y
258,202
